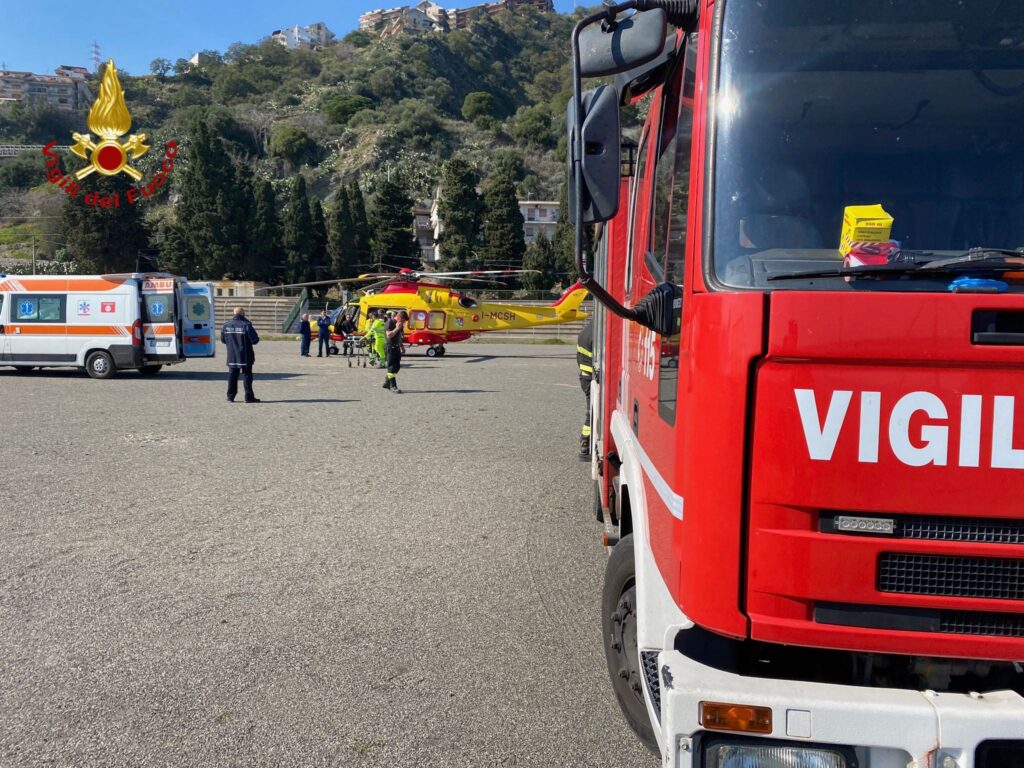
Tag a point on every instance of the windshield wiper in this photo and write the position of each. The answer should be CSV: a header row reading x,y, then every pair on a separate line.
x,y
908,262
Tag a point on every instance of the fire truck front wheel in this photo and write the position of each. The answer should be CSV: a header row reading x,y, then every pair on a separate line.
x,y
99,365
619,623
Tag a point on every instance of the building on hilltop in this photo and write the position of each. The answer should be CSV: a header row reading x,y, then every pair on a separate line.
x,y
66,89
540,217
428,16
308,38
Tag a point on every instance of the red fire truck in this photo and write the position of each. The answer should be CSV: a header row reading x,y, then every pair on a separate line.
x,y
810,469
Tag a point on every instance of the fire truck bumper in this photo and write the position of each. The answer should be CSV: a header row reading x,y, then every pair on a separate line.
x,y
832,725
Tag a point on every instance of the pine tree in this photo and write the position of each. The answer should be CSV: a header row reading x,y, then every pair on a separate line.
x,y
361,239
265,251
297,235
461,210
104,239
503,241
564,240
540,256
339,236
391,220
175,253
211,212
319,228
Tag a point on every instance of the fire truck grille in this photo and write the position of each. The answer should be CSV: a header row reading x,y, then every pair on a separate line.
x,y
994,578
990,624
978,530
649,661
977,623
967,529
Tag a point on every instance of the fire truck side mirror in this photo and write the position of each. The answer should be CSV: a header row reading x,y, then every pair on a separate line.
x,y
600,161
630,43
661,310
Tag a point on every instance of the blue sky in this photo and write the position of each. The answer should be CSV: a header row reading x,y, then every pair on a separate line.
x,y
38,36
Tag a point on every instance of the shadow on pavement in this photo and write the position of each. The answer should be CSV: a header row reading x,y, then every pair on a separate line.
x,y
218,376
447,391
309,400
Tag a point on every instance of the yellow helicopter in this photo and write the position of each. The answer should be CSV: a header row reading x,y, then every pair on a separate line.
x,y
438,314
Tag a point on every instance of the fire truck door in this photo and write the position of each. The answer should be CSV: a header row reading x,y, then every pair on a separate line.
x,y
197,320
656,362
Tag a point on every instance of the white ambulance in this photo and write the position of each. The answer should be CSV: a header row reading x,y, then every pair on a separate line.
x,y
104,323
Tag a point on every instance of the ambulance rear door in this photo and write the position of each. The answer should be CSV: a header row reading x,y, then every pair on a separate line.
x,y
160,320
198,321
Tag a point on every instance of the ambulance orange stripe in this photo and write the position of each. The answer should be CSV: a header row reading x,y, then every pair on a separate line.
x,y
158,330
60,285
53,329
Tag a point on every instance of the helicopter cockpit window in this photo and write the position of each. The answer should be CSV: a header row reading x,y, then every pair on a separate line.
x,y
467,303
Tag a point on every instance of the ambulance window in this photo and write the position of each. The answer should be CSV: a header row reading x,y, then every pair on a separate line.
x,y
436,321
39,309
158,308
198,309
671,203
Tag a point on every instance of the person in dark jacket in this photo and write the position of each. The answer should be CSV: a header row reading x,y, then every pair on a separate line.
x,y
323,334
585,361
240,338
306,335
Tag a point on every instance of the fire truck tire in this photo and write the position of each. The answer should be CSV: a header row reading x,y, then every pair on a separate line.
x,y
618,619
100,365
150,370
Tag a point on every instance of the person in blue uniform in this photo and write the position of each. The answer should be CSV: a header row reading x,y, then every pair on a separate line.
x,y
306,336
240,337
323,334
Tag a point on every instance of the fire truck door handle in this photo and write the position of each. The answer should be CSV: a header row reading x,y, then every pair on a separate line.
x,y
994,337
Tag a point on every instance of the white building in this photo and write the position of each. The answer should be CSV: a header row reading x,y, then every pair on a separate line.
x,y
540,217
296,37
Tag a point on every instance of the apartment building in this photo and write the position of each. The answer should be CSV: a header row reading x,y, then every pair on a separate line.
x,y
428,16
540,217
65,89
298,37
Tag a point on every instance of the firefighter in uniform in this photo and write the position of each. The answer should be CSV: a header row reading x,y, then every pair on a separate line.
x,y
585,360
395,336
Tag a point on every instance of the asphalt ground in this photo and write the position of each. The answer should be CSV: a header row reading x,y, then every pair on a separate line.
x,y
335,576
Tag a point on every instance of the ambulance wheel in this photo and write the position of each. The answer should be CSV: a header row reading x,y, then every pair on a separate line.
x,y
619,625
150,370
431,351
99,365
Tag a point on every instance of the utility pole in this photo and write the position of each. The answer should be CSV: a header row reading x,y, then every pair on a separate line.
x,y
96,60
33,254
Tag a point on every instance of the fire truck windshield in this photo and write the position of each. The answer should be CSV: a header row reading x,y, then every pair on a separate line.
x,y
914,105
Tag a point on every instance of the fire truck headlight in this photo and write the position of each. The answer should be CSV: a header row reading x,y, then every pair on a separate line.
x,y
735,754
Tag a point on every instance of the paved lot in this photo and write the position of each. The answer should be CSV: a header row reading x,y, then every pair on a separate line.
x,y
337,576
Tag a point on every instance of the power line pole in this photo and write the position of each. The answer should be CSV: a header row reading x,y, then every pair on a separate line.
x,y
33,254
96,59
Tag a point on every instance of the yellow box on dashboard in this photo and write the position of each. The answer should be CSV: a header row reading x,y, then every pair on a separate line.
x,y
864,224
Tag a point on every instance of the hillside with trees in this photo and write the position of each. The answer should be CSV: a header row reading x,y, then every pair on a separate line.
x,y
301,164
